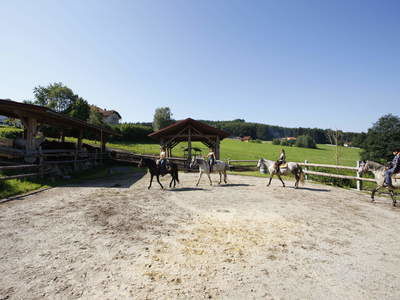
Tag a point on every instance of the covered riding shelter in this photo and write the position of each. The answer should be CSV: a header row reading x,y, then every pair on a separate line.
x,y
33,115
191,131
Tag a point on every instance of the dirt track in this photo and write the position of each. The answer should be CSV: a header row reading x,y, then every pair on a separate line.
x,y
241,240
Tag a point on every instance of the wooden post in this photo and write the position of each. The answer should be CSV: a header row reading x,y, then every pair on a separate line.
x,y
305,169
189,143
30,125
103,145
359,182
79,142
41,165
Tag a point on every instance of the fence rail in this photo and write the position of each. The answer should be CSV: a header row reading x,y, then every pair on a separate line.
x,y
306,164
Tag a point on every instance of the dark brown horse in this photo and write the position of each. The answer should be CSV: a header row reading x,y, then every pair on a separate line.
x,y
155,171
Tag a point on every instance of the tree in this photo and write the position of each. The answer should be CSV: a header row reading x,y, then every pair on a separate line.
x,y
305,141
55,96
162,118
80,109
382,139
95,118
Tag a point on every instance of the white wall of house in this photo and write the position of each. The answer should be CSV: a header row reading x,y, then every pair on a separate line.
x,y
112,119
2,119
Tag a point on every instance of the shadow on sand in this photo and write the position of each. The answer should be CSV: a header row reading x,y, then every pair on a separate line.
x,y
117,181
310,189
186,189
234,184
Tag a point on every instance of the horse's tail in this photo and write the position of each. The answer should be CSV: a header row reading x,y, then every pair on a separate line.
x,y
301,175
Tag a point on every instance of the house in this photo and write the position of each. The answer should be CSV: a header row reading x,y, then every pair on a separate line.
x,y
291,138
111,117
246,138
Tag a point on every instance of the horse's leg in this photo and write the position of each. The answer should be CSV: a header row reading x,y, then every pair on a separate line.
x,y
151,180
170,184
158,180
279,176
270,179
198,181
393,198
209,178
374,191
225,176
297,177
220,177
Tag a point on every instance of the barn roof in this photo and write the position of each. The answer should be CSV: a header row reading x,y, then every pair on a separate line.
x,y
45,115
178,126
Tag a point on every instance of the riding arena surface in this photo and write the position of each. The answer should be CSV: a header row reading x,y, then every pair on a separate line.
x,y
115,239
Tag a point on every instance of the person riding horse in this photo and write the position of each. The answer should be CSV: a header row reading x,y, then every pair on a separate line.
x,y
162,162
211,159
394,167
281,160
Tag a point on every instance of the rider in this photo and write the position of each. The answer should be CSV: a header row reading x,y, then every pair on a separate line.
x,y
162,161
281,160
211,158
394,168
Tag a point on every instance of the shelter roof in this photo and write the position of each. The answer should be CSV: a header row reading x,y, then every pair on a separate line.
x,y
45,115
199,130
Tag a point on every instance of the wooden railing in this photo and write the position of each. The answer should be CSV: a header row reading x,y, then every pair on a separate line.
x,y
66,156
306,165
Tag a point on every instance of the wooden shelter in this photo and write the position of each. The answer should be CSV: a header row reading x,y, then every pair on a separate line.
x,y
32,115
189,130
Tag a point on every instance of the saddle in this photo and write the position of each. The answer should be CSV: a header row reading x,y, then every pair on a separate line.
x,y
283,166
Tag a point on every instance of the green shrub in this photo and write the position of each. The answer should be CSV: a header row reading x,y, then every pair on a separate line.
x,y
132,132
10,132
276,142
333,181
305,141
256,141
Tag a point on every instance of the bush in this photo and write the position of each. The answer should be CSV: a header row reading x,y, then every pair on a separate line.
x,y
256,141
276,142
305,141
341,182
131,132
10,132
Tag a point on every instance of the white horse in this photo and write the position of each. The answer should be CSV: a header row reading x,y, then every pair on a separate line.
x,y
290,167
219,166
379,173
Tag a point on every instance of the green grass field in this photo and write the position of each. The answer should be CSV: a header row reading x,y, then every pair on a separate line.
x,y
234,149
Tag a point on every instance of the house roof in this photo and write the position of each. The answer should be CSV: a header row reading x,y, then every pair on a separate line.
x,y
105,112
45,115
178,126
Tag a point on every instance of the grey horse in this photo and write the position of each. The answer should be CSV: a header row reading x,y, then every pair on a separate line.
x,y
379,173
289,168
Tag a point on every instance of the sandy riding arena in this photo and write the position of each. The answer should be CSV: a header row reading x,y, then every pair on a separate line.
x,y
114,239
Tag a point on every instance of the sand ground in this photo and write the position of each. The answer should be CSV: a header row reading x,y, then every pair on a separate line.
x,y
114,239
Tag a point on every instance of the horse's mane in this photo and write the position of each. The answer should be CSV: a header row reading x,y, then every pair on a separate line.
x,y
374,165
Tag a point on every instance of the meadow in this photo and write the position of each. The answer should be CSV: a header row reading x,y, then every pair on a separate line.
x,y
235,149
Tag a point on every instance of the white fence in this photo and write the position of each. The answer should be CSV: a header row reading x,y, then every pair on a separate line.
x,y
306,165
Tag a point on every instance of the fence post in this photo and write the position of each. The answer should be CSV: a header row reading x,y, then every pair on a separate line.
x,y
359,182
305,169
41,164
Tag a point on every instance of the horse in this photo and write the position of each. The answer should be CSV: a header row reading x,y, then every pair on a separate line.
x,y
219,166
379,173
290,167
155,171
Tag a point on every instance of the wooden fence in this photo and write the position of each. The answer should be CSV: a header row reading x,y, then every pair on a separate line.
x,y
53,157
307,165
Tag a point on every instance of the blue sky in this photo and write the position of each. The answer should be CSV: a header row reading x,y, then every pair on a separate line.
x,y
327,64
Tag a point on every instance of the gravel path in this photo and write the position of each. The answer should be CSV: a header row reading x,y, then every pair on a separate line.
x,y
115,239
